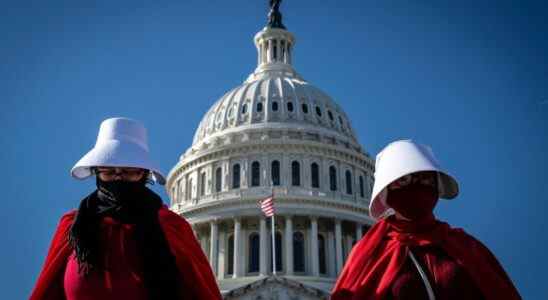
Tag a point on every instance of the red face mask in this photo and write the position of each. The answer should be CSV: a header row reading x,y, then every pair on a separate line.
x,y
414,201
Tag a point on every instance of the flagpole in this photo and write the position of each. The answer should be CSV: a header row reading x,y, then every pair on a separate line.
x,y
273,240
273,249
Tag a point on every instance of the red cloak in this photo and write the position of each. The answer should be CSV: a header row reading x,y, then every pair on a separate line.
x,y
191,262
377,258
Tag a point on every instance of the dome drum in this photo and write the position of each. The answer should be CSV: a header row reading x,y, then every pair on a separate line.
x,y
208,176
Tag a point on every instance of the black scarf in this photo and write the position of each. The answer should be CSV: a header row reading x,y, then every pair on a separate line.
x,y
132,203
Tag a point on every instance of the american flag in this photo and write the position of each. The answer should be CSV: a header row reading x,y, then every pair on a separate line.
x,y
267,206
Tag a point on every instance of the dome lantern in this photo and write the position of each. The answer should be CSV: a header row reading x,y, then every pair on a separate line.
x,y
274,47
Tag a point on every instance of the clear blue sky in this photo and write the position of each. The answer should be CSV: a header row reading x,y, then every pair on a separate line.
x,y
469,78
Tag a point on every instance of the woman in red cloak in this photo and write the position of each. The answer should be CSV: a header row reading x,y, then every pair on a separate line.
x,y
409,254
122,242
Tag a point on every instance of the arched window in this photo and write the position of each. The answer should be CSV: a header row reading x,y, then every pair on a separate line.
x,y
305,108
244,109
230,253
318,111
298,251
321,254
290,106
279,246
275,172
259,107
348,177
295,173
218,179
332,178
255,174
236,176
362,193
330,114
202,184
253,263
274,106
315,172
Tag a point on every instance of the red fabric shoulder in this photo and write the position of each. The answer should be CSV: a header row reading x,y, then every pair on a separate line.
x,y
481,264
49,284
364,274
376,259
198,279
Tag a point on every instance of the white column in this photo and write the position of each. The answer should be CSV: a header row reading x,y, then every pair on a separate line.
x,y
236,261
269,50
260,54
222,255
314,246
288,245
338,246
286,60
359,232
262,247
213,251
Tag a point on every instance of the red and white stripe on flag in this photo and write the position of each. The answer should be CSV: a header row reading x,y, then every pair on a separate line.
x,y
267,206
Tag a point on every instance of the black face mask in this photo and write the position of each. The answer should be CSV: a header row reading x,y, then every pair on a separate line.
x,y
118,194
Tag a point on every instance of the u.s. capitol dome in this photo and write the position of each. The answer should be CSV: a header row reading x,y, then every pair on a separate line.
x,y
275,134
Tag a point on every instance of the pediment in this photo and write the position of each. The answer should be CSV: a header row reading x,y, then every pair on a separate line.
x,y
276,288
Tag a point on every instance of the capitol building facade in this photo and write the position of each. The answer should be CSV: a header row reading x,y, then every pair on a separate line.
x,y
275,134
